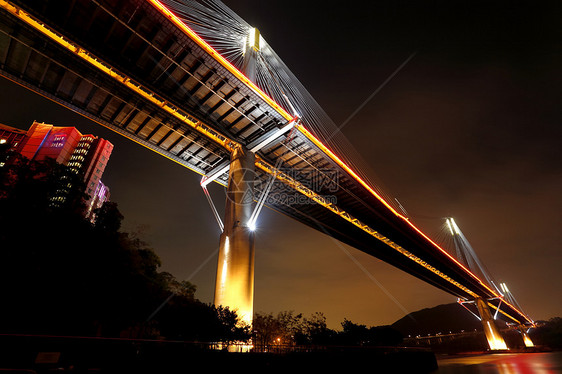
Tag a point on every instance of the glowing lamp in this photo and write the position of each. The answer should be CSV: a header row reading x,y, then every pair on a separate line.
x,y
254,39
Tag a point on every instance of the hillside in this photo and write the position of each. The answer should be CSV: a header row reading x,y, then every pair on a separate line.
x,y
442,318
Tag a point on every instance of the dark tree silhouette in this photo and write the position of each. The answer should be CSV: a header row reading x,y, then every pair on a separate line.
x,y
66,276
548,333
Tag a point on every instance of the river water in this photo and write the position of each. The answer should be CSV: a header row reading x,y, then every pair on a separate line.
x,y
504,363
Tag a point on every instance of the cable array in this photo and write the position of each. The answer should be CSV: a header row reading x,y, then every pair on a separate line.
x,y
228,34
458,245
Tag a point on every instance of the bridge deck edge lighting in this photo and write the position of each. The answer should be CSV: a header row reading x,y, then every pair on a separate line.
x,y
223,61
342,164
185,118
502,312
202,43
297,186
101,123
194,36
219,138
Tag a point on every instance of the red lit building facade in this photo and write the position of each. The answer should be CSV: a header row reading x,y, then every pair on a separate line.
x,y
85,154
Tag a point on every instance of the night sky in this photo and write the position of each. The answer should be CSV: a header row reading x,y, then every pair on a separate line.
x,y
469,128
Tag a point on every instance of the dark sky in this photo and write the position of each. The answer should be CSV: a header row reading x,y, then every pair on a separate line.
x,y
469,128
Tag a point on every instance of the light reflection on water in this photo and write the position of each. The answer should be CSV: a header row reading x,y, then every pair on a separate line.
x,y
507,363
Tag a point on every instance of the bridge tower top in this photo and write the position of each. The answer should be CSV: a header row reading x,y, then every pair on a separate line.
x,y
251,52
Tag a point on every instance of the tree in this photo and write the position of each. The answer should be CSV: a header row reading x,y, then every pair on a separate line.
x,y
67,276
292,328
548,333
266,328
361,335
317,331
184,288
108,218
284,329
353,334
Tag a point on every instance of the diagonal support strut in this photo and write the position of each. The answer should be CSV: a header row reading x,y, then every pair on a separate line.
x,y
210,200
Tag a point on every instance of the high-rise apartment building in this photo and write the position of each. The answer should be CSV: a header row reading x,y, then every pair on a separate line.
x,y
85,154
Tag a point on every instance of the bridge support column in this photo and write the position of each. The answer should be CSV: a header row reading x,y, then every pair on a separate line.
x,y
495,340
234,287
526,339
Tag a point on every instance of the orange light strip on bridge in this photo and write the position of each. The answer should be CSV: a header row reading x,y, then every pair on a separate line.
x,y
121,78
502,312
202,43
122,133
297,186
224,62
227,143
342,164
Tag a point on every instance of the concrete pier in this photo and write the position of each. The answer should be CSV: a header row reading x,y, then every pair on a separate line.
x,y
495,340
234,285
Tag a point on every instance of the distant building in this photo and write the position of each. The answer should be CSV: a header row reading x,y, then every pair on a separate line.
x,y
10,136
101,195
85,154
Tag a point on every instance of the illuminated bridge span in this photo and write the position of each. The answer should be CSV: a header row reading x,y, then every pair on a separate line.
x,y
168,75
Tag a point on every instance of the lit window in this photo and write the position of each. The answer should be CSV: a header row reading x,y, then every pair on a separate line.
x,y
2,141
58,141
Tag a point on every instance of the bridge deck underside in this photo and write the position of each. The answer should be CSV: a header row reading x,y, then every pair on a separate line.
x,y
136,40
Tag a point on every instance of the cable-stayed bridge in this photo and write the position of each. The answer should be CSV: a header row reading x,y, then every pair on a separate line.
x,y
193,82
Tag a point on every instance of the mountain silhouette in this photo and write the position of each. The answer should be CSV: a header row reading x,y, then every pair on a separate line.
x,y
443,319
